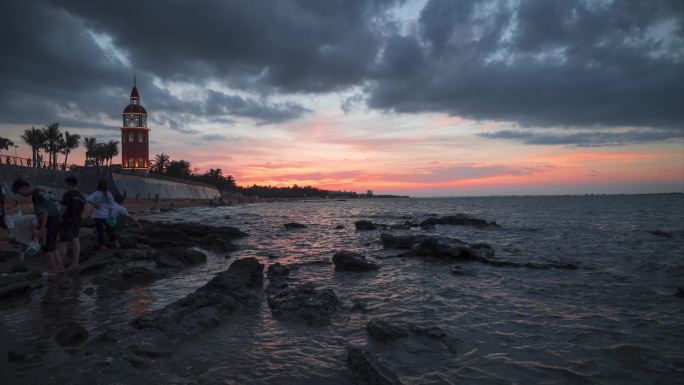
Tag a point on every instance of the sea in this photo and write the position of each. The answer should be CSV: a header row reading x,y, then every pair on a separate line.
x,y
616,319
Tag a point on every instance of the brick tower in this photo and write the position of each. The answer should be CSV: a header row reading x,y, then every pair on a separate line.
x,y
135,149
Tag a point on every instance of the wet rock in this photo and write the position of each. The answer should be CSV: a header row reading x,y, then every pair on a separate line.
x,y
529,265
294,225
339,227
457,220
151,343
89,291
459,270
680,292
306,302
210,304
400,242
366,369
364,225
386,330
277,277
359,306
6,255
71,336
177,258
383,330
16,356
661,233
15,289
19,269
348,261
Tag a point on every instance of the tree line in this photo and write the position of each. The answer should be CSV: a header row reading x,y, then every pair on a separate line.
x,y
50,140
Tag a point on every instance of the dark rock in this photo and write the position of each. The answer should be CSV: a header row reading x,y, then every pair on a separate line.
x,y
383,330
364,225
209,304
366,369
294,225
400,242
6,255
19,269
15,289
680,292
89,291
16,356
71,336
315,306
339,227
661,233
178,258
33,275
139,275
151,343
458,270
277,277
348,261
457,220
359,306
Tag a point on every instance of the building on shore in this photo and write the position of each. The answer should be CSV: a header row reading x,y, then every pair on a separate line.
x,y
135,144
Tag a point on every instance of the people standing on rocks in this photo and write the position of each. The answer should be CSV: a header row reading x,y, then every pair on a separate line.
x,y
103,200
121,214
73,204
47,228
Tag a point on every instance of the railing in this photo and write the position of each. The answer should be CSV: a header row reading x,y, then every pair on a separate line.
x,y
28,162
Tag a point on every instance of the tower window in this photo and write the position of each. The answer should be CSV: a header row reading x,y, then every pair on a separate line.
x,y
141,138
141,162
131,137
130,162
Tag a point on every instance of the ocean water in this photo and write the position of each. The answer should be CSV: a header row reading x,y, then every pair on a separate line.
x,y
612,321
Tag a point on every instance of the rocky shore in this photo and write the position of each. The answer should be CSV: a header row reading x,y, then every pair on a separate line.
x,y
136,353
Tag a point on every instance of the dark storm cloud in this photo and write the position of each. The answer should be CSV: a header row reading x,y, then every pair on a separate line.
x,y
53,69
587,139
288,45
540,63
537,63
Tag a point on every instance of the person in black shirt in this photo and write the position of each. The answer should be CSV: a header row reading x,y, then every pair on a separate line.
x,y
73,204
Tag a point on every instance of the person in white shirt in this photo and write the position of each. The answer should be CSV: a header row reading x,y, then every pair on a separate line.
x,y
103,201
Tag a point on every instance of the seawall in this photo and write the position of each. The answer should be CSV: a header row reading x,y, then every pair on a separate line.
x,y
128,185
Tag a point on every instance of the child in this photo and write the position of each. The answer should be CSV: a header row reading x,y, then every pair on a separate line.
x,y
103,201
47,214
73,204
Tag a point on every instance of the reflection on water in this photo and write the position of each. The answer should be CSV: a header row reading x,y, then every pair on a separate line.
x,y
612,321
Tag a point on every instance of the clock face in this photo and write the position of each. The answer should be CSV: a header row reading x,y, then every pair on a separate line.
x,y
131,120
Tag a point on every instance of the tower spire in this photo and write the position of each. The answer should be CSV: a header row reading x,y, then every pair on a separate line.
x,y
133,78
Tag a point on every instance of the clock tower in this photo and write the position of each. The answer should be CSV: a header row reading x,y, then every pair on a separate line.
x,y
135,149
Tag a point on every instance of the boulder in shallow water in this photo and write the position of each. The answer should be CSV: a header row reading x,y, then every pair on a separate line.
x,y
383,330
367,369
305,302
277,277
457,220
348,261
680,292
364,225
209,304
460,270
661,233
294,225
71,336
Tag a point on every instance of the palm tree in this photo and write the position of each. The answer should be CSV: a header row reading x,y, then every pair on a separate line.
x,y
52,139
36,139
68,143
5,143
161,161
89,143
111,150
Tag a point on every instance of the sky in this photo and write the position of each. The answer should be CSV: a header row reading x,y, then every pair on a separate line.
x,y
426,98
